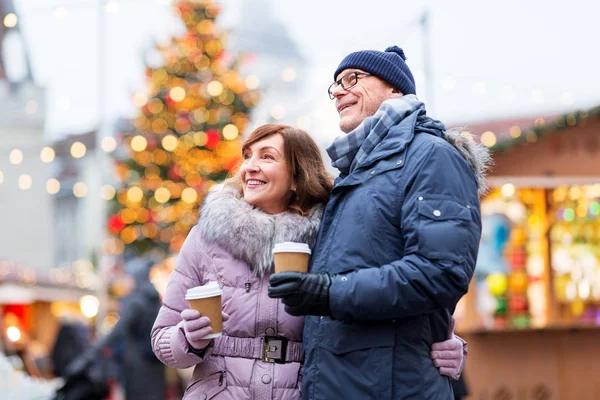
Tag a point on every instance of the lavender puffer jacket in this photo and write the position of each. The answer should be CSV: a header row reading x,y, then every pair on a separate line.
x,y
232,244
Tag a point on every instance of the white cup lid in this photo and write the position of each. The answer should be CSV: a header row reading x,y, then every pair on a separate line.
x,y
291,247
200,292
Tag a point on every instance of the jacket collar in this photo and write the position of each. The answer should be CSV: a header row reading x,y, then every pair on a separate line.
x,y
248,233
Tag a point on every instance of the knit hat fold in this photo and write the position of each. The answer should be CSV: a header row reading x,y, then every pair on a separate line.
x,y
388,65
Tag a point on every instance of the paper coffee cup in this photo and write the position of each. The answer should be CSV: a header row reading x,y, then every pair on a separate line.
x,y
290,256
207,300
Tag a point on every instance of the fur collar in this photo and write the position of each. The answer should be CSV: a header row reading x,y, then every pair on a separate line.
x,y
476,154
249,234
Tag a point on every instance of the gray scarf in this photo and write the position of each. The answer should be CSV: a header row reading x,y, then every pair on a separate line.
x,y
349,151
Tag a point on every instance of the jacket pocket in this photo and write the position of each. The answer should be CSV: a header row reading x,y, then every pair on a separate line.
x,y
443,229
208,387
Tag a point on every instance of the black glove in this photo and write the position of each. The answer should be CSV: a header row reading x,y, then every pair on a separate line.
x,y
302,294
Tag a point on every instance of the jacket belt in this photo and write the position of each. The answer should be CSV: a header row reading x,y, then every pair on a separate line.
x,y
230,346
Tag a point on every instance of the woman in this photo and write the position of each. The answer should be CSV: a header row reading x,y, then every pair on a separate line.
x,y
277,196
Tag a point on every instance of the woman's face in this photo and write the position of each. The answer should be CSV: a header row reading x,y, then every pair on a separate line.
x,y
266,178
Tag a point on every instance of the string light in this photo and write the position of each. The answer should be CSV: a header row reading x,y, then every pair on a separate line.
x,y
108,144
139,143
25,182
252,82
214,88
10,20
47,155
230,132
53,186
16,157
108,192
488,139
78,150
80,189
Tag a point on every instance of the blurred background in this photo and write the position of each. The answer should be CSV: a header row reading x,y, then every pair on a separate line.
x,y
117,116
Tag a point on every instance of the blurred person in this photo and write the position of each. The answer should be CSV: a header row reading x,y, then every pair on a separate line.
x,y
141,374
277,196
397,246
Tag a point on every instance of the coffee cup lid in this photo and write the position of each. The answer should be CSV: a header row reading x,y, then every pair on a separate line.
x,y
291,247
199,292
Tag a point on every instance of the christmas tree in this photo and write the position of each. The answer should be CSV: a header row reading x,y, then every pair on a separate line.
x,y
185,138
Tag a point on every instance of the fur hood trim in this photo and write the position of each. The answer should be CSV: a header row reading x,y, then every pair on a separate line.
x,y
477,155
248,233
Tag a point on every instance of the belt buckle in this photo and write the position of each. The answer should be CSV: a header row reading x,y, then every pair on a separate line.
x,y
274,349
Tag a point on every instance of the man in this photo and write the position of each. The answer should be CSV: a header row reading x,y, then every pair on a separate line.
x,y
398,241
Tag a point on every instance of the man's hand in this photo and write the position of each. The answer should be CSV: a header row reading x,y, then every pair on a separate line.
x,y
302,294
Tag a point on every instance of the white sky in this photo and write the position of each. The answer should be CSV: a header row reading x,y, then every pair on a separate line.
x,y
531,56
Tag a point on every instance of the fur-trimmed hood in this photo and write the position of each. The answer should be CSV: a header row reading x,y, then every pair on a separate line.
x,y
477,155
248,233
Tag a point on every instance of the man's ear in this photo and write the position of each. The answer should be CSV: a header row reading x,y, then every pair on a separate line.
x,y
396,93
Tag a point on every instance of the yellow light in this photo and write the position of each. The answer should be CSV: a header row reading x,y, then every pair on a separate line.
x,y
288,74
25,182
47,155
169,143
108,144
135,194
139,143
488,139
16,156
52,186
10,21
89,306
162,195
108,192
78,150
31,107
140,99
230,132
539,122
508,190
189,195
61,13
13,333
155,106
278,112
177,93
214,88
80,189
252,82
515,131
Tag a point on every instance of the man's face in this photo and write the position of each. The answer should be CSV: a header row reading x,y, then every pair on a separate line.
x,y
360,101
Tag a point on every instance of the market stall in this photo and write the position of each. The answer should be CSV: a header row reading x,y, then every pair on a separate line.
x,y
532,314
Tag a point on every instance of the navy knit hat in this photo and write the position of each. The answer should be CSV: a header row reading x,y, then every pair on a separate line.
x,y
388,65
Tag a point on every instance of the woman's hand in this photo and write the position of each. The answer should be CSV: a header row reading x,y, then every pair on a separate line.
x,y
196,328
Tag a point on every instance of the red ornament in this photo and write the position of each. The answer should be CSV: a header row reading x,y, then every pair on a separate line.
x,y
518,303
518,259
213,139
115,224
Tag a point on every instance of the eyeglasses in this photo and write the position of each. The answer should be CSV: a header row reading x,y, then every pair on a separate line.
x,y
346,82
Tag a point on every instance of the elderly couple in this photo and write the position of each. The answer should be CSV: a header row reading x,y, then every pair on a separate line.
x,y
394,241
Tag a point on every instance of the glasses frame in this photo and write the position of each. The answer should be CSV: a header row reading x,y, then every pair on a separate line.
x,y
339,82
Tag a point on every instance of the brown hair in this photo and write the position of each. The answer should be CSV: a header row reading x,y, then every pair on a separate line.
x,y
313,182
